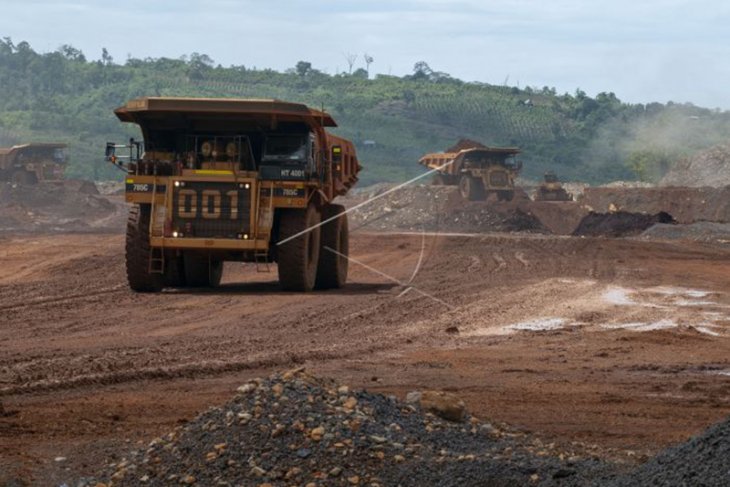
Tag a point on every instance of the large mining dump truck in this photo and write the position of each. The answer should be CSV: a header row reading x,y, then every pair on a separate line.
x,y
234,180
478,170
33,163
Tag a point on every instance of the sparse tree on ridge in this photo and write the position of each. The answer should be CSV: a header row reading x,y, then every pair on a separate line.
x,y
368,61
350,58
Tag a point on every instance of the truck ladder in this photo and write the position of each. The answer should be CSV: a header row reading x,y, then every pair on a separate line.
x,y
261,257
156,264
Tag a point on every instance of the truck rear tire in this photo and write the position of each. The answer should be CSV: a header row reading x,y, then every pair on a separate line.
x,y
201,270
332,268
138,250
298,258
21,176
471,188
438,179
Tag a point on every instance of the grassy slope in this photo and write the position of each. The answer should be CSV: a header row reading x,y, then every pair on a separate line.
x,y
63,97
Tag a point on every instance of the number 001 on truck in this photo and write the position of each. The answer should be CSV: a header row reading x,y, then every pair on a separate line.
x,y
220,180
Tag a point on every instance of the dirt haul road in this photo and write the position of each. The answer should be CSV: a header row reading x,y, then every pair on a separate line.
x,y
621,345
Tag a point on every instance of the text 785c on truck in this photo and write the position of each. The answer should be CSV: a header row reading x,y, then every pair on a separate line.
x,y
220,180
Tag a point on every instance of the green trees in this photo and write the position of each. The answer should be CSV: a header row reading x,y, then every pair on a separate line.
x,y
64,96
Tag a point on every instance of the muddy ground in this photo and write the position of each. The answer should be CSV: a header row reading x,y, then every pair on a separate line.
x,y
619,345
613,347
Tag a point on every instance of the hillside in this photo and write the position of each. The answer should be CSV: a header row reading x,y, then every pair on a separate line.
x,y
706,168
63,96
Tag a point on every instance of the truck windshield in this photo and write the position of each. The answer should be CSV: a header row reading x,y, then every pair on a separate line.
x,y
285,148
59,156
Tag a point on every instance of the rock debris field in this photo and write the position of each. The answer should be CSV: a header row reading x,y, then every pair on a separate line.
x,y
297,429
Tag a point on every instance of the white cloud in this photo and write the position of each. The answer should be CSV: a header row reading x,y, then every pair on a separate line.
x,y
643,51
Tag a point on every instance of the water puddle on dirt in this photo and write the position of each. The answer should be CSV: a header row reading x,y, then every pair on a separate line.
x,y
543,324
619,296
665,324
679,291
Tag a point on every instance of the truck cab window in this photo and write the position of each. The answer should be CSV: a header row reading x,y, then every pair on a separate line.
x,y
285,149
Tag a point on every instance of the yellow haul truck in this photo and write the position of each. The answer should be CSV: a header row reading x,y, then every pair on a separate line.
x,y
478,170
33,163
234,180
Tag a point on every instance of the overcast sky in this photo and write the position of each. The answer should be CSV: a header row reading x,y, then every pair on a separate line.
x,y
642,50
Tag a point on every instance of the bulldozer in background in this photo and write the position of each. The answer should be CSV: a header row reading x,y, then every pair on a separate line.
x,y
220,180
551,189
478,170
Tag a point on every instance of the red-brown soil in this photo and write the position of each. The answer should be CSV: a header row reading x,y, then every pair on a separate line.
x,y
620,345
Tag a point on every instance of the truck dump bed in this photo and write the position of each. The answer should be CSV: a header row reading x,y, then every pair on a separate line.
x,y
451,163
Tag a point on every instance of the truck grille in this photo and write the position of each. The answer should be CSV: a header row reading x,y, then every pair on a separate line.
x,y
211,210
498,179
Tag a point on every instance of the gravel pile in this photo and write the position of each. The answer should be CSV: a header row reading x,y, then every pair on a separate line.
x,y
294,429
702,461
71,205
439,208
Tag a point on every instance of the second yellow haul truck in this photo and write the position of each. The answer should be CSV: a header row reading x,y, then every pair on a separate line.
x,y
234,180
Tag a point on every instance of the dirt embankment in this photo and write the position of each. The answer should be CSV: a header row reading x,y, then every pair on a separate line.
x,y
686,205
68,206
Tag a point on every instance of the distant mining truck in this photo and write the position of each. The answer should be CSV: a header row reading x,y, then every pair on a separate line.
x,y
33,163
552,190
220,180
477,170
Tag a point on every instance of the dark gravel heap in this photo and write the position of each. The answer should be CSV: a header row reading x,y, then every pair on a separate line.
x,y
294,429
703,461
618,224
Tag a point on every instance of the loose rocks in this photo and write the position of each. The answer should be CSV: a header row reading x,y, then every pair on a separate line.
x,y
443,404
702,461
308,431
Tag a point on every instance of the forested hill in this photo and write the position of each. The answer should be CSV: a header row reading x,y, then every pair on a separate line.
x,y
62,96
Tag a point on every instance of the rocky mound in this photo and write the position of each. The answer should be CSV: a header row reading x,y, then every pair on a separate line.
x,y
294,429
618,224
707,168
702,461
72,205
439,209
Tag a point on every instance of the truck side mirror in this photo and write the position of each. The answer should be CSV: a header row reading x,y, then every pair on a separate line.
x,y
110,151
336,154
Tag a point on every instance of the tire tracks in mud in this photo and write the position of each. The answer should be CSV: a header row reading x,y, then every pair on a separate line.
x,y
195,370
61,299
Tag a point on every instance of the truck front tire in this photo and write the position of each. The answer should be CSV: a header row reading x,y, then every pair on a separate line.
x,y
298,258
138,250
471,188
332,268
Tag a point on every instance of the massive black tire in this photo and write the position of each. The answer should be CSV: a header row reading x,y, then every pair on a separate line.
x,y
507,195
201,270
471,188
21,176
298,257
138,252
438,179
332,268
